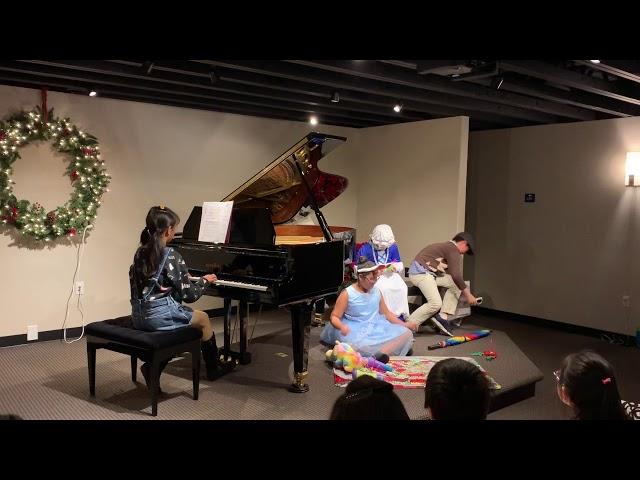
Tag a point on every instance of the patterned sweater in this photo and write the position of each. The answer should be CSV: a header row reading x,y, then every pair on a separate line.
x,y
174,280
442,258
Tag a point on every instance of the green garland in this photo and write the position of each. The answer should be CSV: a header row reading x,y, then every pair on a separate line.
x,y
85,169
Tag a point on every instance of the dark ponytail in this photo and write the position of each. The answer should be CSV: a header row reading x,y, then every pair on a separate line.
x,y
591,385
150,254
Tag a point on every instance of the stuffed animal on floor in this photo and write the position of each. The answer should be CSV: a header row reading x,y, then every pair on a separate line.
x,y
345,357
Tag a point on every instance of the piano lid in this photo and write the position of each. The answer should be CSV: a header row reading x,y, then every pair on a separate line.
x,y
278,186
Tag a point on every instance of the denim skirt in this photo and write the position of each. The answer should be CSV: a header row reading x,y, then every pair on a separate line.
x,y
160,314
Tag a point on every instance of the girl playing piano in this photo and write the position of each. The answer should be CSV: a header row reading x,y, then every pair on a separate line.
x,y
160,282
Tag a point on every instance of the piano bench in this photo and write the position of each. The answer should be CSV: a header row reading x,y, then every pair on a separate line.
x,y
119,335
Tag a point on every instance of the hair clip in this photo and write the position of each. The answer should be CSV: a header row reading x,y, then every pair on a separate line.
x,y
607,380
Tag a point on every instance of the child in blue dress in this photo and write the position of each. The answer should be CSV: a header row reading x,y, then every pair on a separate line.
x,y
361,318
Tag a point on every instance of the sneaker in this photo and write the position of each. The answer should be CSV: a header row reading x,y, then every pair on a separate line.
x,y
442,325
457,322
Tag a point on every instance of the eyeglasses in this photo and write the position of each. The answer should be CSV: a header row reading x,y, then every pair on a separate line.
x,y
556,374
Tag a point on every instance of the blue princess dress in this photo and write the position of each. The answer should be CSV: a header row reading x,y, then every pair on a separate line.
x,y
370,331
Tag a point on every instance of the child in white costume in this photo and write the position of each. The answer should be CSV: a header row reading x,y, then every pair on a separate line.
x,y
383,250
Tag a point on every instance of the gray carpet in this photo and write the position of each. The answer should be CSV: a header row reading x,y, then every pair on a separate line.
x,y
49,380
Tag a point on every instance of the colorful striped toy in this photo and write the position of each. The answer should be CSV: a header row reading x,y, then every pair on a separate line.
x,y
458,339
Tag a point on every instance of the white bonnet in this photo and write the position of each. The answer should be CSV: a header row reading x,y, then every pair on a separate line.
x,y
382,237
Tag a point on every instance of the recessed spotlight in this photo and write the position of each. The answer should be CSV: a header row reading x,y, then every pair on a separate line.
x,y
313,120
335,98
397,107
594,61
93,93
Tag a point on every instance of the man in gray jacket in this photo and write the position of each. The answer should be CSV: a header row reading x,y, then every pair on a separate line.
x,y
440,265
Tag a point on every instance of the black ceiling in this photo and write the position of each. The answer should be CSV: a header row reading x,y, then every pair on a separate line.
x,y
494,94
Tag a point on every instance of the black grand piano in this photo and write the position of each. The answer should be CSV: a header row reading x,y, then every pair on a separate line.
x,y
264,261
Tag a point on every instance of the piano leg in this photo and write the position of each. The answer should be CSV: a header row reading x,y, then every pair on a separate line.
x,y
226,349
245,357
300,329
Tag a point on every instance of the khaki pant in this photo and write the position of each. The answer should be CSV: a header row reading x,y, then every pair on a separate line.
x,y
428,285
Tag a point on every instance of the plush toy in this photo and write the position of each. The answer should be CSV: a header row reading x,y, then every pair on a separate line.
x,y
345,357
361,372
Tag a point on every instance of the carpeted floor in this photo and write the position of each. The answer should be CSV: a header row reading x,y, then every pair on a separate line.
x,y
49,380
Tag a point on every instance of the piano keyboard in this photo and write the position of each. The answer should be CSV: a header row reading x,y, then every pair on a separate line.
x,y
248,286
231,283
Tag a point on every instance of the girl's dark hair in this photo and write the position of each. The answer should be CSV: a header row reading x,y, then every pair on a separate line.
x,y
591,385
158,220
456,390
367,398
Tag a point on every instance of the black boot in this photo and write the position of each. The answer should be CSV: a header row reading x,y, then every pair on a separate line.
x,y
214,367
144,369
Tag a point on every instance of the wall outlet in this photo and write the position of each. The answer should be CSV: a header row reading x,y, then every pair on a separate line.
x,y
32,332
79,288
626,301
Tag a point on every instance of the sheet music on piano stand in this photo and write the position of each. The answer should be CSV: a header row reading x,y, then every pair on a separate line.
x,y
214,223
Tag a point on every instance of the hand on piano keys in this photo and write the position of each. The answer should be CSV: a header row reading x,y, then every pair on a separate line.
x,y
211,278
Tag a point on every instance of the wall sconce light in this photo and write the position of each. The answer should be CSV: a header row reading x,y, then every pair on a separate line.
x,y
632,170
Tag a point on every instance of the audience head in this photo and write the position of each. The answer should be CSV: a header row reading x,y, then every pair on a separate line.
x,y
367,398
587,384
382,237
457,390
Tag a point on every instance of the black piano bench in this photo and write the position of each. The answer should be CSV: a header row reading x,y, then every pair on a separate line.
x,y
119,335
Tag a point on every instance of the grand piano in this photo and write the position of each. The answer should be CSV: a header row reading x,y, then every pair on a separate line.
x,y
266,260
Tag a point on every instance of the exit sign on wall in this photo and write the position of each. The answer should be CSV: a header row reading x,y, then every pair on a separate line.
x,y
529,197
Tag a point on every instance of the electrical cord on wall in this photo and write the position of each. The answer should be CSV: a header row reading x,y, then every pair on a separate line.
x,y
79,254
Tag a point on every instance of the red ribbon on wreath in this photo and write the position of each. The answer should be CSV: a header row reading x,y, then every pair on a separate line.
x,y
12,216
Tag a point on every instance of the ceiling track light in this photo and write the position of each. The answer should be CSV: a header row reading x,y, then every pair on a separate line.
x,y
497,82
313,120
148,66
93,93
335,97
214,77
397,107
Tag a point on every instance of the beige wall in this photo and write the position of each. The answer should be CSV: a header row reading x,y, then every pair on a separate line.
x,y
182,157
155,154
569,256
412,176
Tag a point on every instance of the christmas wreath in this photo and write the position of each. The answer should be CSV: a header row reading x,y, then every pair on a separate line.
x,y
85,170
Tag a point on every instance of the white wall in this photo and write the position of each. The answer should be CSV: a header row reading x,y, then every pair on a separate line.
x,y
411,176
155,155
571,255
